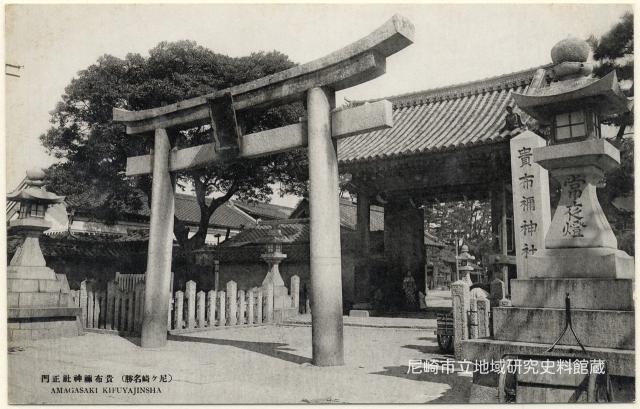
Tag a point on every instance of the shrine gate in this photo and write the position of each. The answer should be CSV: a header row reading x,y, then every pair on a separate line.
x,y
316,83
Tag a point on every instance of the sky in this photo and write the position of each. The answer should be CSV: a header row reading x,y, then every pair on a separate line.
x,y
453,43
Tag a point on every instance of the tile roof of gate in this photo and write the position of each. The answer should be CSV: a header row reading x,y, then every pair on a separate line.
x,y
444,118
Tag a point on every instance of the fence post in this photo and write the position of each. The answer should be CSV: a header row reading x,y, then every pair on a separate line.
x,y
90,303
241,307
190,293
222,307
250,301
179,304
200,301
259,305
295,293
460,300
211,303
83,302
116,308
484,307
139,286
269,302
130,304
111,290
232,300
97,304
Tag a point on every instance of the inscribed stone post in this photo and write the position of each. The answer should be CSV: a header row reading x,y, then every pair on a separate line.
x,y
200,309
232,303
268,302
222,308
295,292
211,303
258,305
179,305
250,305
531,205
241,307
473,318
191,303
460,298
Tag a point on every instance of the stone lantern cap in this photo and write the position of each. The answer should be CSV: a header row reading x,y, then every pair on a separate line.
x,y
572,86
35,192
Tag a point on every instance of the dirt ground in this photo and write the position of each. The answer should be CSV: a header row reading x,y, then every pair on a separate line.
x,y
267,364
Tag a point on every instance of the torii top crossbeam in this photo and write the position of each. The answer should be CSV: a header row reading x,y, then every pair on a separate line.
x,y
354,64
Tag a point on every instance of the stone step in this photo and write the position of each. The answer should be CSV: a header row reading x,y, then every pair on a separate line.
x,y
591,294
620,362
594,328
37,299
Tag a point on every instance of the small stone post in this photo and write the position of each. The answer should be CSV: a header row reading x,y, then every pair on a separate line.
x,y
90,307
179,305
83,302
232,303
473,318
250,305
201,308
259,315
460,298
191,303
222,304
211,302
497,292
241,307
269,303
484,307
295,293
111,292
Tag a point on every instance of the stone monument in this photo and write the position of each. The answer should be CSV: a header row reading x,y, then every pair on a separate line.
x,y
39,300
580,278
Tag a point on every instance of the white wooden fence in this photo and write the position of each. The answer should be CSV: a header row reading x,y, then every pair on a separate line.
x,y
115,309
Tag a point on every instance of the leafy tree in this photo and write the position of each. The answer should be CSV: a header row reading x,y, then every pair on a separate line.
x,y
614,51
94,149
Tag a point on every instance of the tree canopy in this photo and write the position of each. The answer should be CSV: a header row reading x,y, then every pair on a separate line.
x,y
614,51
94,149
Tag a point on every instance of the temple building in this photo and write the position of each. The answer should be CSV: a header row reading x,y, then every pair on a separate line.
x,y
449,143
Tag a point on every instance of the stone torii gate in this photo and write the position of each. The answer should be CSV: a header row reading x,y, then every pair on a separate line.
x,y
316,82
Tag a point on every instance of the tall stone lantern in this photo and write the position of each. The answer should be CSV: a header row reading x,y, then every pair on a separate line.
x,y
577,299
38,298
463,264
579,242
273,256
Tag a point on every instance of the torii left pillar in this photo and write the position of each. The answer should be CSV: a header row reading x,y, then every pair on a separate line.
x,y
158,276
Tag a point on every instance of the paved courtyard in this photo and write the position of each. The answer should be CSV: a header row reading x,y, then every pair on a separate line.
x,y
267,364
